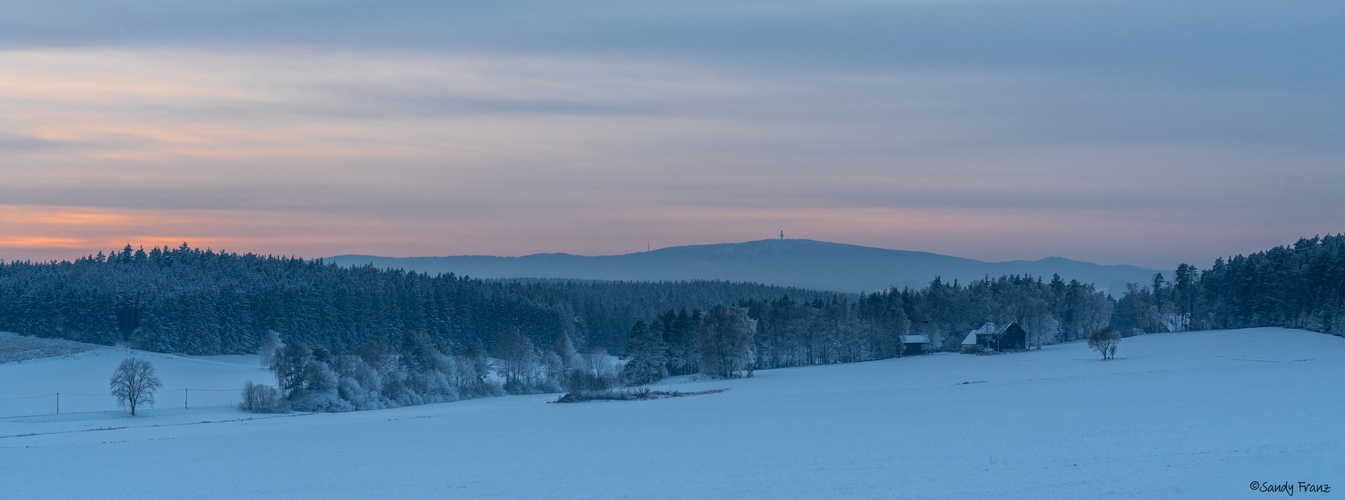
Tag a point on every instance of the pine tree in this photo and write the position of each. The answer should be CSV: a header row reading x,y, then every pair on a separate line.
x,y
646,354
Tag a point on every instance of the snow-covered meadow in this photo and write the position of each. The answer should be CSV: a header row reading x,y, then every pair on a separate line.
x,y
1187,415
80,373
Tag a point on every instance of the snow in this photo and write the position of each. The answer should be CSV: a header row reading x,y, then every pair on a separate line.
x,y
80,373
971,339
1191,415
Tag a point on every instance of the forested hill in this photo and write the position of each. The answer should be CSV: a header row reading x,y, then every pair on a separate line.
x,y
196,301
795,263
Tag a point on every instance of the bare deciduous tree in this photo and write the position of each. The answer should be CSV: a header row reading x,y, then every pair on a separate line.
x,y
134,383
1105,342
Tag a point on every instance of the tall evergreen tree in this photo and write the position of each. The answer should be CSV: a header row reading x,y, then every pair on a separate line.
x,y
646,355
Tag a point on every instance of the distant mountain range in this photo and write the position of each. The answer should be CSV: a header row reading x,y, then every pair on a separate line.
x,y
798,263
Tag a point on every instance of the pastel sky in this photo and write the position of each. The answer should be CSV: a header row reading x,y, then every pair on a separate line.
x,y
1137,132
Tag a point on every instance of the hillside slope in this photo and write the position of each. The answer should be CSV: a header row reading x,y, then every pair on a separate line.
x,y
1187,415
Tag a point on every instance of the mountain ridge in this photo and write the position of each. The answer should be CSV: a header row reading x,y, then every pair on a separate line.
x,y
797,263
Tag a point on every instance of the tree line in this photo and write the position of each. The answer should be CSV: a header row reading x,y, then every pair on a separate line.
x,y
1295,286
843,329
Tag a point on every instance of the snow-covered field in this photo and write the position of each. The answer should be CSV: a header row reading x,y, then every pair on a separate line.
x,y
1189,415
80,373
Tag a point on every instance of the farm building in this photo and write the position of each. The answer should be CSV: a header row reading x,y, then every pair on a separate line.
x,y
969,344
1011,337
914,344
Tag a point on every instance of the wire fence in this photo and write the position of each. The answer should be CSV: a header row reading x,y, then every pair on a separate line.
x,y
57,403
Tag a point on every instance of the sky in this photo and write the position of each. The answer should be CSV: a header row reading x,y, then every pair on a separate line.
x,y
1120,132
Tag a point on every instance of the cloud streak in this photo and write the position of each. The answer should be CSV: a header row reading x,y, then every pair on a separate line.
x,y
594,130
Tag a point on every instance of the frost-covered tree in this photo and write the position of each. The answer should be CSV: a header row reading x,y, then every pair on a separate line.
x,y
288,364
724,340
134,383
567,354
518,361
937,338
359,383
646,356
270,344
1041,327
306,378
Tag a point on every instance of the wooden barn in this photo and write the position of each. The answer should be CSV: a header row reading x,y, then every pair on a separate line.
x,y
970,343
914,344
1011,337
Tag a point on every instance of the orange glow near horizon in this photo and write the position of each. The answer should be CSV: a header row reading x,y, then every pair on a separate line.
x,y
46,233
59,216
315,235
313,154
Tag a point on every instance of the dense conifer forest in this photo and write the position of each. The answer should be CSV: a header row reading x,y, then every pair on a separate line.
x,y
201,302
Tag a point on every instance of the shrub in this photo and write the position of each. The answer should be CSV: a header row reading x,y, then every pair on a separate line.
x,y
589,381
259,398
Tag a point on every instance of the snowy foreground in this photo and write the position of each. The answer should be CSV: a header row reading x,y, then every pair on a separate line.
x,y
1189,415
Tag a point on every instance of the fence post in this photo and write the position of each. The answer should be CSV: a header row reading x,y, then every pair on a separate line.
x,y
58,403
185,391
